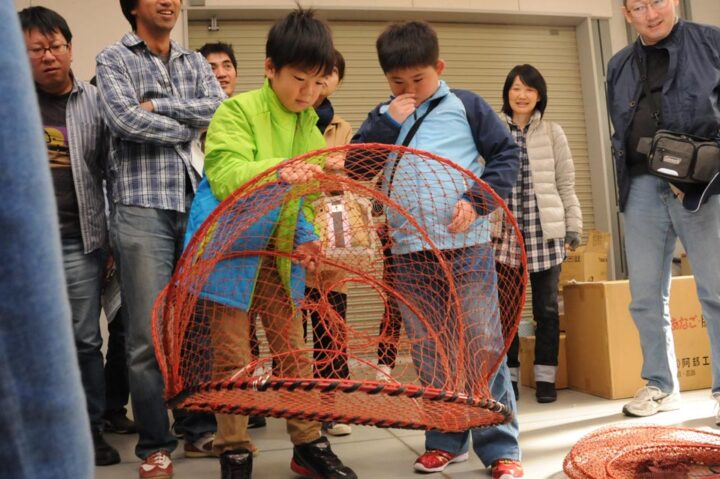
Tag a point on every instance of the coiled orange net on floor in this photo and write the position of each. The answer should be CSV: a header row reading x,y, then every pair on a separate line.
x,y
645,452
400,324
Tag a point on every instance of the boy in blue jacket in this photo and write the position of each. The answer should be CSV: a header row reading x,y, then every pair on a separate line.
x,y
462,127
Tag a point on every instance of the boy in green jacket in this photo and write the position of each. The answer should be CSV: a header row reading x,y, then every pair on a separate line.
x,y
249,134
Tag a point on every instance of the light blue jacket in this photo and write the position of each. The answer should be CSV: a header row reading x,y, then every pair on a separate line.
x,y
462,128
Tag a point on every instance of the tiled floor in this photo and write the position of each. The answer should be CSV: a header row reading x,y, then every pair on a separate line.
x,y
547,433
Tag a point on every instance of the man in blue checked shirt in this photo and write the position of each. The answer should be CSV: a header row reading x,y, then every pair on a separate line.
x,y
156,97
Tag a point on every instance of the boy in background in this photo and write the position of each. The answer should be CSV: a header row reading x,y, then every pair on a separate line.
x,y
249,134
337,132
462,127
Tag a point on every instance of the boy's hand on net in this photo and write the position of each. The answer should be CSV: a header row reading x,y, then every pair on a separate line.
x,y
463,216
335,161
298,173
308,254
402,107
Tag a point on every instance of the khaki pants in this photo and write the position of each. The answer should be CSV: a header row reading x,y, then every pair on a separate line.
x,y
230,331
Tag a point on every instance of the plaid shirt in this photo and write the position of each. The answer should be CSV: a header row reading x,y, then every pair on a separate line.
x,y
149,159
541,255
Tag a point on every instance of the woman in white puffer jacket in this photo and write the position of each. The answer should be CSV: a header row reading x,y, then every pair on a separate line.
x,y
548,214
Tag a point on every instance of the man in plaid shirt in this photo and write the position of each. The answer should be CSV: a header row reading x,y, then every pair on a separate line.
x,y
156,97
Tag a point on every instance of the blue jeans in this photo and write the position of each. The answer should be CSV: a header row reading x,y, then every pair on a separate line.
x,y
422,282
147,243
654,219
43,414
83,276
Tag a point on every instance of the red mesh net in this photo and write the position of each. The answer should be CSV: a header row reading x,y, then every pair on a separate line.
x,y
645,452
243,329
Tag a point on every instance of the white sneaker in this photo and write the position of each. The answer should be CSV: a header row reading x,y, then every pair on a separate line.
x,y
651,400
335,429
716,396
383,373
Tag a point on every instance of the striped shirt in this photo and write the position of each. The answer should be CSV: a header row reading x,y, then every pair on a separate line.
x,y
150,158
87,142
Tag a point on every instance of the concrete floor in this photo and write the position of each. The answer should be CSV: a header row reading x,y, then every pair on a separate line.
x,y
548,432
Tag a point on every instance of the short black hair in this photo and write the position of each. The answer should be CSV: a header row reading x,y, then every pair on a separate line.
x,y
407,45
219,47
302,41
340,64
531,77
46,21
128,6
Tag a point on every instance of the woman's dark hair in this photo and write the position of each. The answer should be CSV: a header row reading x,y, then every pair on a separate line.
x,y
46,21
302,41
407,45
128,6
531,77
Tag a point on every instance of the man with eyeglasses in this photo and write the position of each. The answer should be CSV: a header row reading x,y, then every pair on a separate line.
x,y
669,78
75,138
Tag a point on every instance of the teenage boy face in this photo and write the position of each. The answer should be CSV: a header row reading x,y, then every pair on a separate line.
x,y
420,81
156,16
296,89
224,71
50,58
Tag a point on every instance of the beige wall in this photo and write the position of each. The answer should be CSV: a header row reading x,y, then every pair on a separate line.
x,y
94,24
593,8
98,23
706,11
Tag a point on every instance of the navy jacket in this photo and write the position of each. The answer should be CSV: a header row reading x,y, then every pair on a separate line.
x,y
690,101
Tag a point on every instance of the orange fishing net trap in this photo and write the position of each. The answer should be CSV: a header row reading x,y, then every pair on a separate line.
x,y
401,323
645,452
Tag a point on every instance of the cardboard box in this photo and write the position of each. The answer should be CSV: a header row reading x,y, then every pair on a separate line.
x,y
603,346
685,268
563,323
588,262
527,357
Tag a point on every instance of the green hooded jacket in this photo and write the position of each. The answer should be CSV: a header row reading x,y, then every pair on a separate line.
x,y
251,133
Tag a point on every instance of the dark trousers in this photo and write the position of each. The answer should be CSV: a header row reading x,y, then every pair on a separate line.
x,y
329,337
117,390
391,324
544,286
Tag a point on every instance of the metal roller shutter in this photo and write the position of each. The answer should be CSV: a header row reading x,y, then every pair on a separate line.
x,y
478,57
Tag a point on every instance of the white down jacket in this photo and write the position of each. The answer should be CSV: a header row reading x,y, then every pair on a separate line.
x,y
553,176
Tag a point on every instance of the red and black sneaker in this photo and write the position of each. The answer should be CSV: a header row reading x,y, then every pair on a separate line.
x,y
317,461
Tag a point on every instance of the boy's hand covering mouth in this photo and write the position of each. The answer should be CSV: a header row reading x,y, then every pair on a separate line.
x,y
402,107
